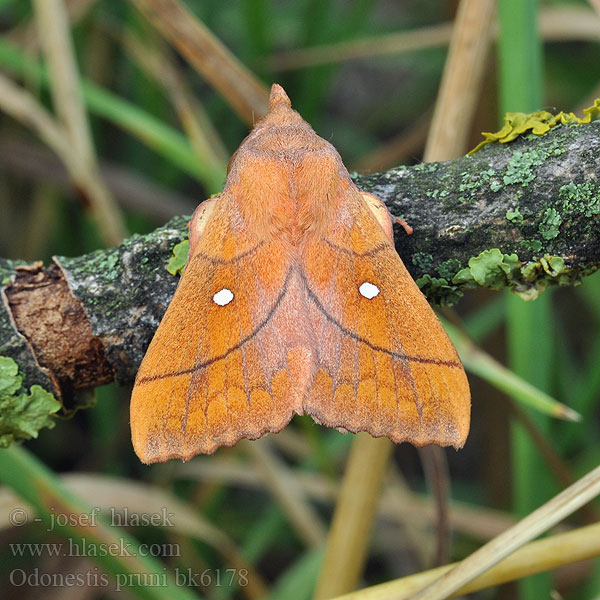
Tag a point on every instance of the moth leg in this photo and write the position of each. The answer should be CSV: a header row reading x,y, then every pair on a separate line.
x,y
403,223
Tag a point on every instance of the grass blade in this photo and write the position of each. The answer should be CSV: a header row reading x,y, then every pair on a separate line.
x,y
40,488
488,368
168,142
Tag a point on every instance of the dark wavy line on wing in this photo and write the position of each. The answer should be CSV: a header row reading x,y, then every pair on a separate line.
x,y
225,354
398,355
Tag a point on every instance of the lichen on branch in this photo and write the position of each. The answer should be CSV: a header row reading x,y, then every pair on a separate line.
x,y
534,201
22,414
524,215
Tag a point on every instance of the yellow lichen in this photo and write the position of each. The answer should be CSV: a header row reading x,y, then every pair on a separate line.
x,y
516,124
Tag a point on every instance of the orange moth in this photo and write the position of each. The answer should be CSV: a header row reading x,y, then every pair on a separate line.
x,y
294,301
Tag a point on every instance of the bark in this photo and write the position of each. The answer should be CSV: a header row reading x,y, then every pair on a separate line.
x,y
522,215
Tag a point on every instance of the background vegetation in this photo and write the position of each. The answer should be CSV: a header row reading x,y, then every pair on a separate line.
x,y
161,137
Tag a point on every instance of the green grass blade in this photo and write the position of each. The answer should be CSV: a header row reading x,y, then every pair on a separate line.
x,y
39,487
166,141
529,339
485,319
299,580
483,365
590,292
258,16
530,349
520,56
579,383
163,139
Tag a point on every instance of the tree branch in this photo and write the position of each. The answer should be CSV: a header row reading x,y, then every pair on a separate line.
x,y
521,215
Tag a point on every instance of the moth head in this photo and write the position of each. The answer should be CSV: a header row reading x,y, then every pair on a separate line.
x,y
280,107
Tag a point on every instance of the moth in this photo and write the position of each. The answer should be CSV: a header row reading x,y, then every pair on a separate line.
x,y
294,301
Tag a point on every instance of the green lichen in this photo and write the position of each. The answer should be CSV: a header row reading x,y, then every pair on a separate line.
x,y
422,260
554,266
495,270
532,245
437,193
179,258
105,261
514,216
111,266
22,414
583,198
491,269
449,268
439,290
472,182
519,169
426,167
537,275
550,224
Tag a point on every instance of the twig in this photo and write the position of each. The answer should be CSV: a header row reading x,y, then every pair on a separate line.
x,y
131,189
557,24
244,92
287,491
437,476
203,137
534,524
461,81
355,512
542,555
53,23
125,291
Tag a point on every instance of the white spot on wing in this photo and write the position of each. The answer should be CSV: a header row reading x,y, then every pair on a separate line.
x,y
223,297
368,290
